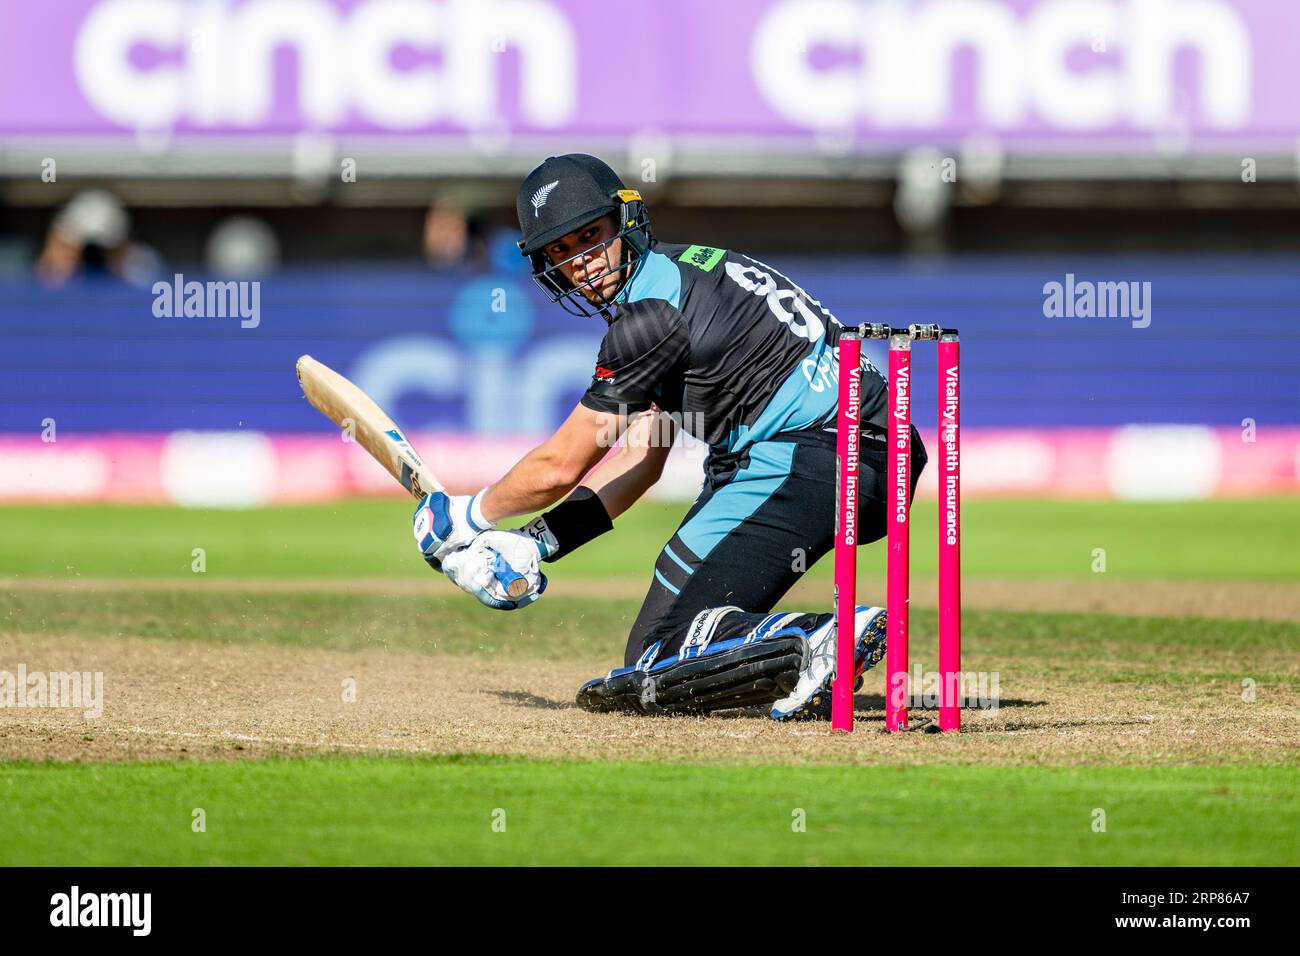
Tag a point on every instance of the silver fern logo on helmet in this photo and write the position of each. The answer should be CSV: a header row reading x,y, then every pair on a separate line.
x,y
540,197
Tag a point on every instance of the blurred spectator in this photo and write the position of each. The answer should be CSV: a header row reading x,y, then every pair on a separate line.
x,y
242,247
503,252
91,237
453,239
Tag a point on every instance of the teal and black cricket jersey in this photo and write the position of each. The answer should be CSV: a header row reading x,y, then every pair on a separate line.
x,y
748,361
729,342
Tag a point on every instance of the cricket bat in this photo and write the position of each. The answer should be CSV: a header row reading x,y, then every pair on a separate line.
x,y
356,413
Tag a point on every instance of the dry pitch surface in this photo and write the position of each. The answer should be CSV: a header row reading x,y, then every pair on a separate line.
x,y
249,669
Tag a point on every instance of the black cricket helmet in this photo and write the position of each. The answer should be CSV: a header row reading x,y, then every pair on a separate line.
x,y
566,193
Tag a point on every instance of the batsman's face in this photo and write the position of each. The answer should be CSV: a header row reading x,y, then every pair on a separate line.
x,y
583,257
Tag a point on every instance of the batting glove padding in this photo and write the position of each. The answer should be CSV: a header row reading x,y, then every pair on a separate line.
x,y
443,523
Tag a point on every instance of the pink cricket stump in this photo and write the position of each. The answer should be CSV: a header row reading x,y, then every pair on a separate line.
x,y
949,531
899,484
847,438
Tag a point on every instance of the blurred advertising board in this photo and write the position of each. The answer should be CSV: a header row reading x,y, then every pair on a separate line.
x,y
1195,395
500,76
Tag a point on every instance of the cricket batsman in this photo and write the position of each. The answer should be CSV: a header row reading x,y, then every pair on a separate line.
x,y
726,346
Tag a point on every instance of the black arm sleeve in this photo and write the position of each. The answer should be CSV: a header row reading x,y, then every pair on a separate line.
x,y
577,519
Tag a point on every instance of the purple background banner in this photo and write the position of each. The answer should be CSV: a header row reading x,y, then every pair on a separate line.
x,y
1132,74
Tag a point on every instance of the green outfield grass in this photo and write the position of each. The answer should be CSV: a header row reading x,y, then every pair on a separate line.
x,y
397,810
595,627
1233,539
989,801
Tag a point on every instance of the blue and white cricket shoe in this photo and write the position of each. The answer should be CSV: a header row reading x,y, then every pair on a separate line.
x,y
811,697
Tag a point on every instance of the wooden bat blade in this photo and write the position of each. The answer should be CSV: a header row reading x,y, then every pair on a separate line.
x,y
350,408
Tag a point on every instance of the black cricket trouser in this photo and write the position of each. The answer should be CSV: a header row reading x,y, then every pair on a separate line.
x,y
759,522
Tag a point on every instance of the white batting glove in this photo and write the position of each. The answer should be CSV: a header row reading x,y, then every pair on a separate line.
x,y
442,523
499,568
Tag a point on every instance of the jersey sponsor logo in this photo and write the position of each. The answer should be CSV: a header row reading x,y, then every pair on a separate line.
x,y
540,197
820,372
604,374
702,257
